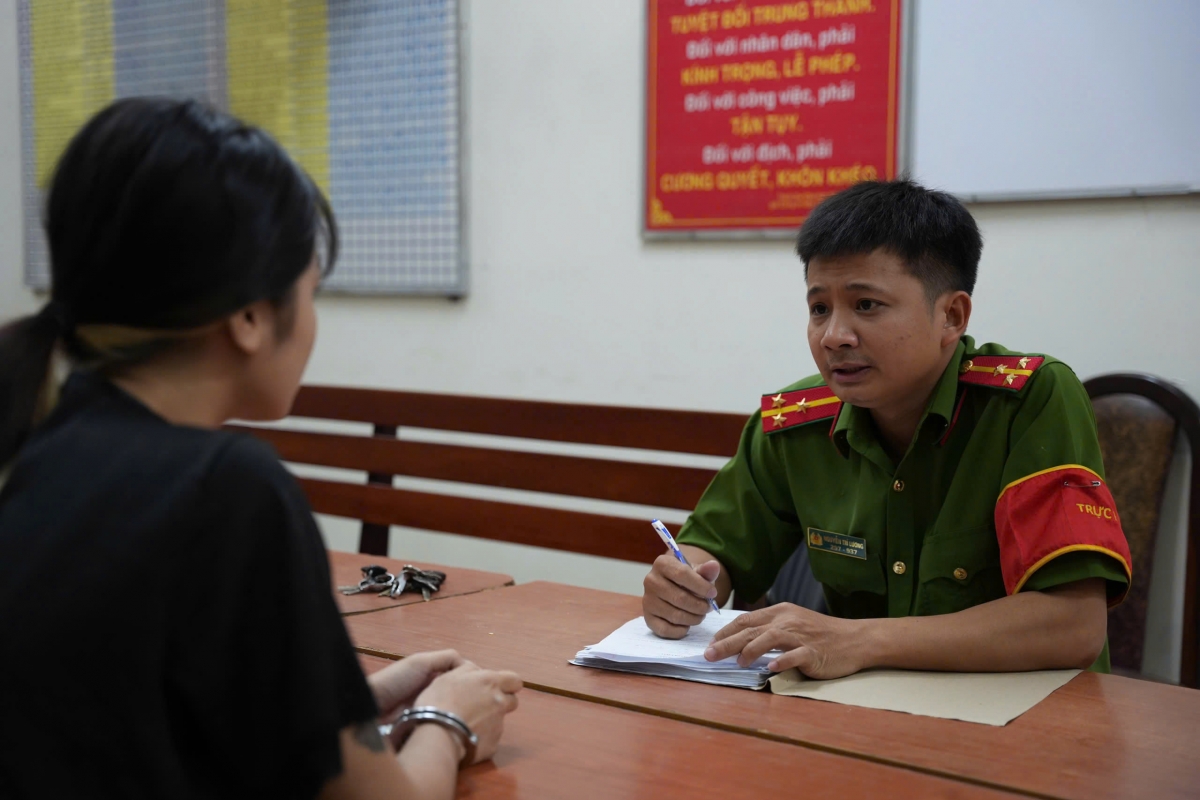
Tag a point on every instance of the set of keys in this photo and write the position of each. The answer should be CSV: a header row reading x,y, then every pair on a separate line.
x,y
385,584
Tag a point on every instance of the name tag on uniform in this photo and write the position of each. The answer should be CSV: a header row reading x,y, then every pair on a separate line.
x,y
838,543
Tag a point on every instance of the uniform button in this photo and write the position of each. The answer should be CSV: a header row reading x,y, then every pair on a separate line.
x,y
960,573
898,486
899,568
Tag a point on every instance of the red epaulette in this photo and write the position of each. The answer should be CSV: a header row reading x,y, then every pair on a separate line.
x,y
789,409
999,372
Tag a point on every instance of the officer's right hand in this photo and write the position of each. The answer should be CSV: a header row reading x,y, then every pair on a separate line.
x,y
676,596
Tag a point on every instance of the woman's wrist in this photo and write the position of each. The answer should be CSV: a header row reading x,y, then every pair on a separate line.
x,y
441,738
417,717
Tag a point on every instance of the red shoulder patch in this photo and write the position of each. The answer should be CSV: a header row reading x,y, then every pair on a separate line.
x,y
789,409
999,372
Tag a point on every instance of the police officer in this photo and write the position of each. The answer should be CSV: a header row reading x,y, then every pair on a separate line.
x,y
951,495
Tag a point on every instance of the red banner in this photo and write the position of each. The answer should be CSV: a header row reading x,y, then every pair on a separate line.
x,y
758,110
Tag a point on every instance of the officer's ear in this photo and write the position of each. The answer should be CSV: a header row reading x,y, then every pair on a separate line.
x,y
954,309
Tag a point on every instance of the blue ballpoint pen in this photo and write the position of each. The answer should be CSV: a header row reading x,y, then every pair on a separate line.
x,y
669,541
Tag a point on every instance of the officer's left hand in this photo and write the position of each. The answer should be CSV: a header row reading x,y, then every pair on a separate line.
x,y
820,646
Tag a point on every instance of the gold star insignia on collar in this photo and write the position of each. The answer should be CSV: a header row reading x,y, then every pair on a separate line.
x,y
1023,363
802,406
777,400
999,370
1008,379
779,419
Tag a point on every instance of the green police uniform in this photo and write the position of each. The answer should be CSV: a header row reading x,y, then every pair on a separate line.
x,y
1001,490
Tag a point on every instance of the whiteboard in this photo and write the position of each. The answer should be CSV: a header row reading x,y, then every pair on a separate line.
x,y
1055,98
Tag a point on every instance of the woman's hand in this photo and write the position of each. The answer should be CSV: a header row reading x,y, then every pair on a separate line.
x,y
397,686
481,697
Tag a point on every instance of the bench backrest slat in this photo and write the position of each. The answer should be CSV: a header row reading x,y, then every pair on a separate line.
x,y
598,478
557,529
678,431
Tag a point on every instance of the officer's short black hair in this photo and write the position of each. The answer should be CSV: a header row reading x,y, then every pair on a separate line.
x,y
932,232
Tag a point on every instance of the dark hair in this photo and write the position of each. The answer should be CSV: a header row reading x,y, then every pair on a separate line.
x,y
932,232
162,216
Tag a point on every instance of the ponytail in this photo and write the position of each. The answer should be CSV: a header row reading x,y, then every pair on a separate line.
x,y
26,350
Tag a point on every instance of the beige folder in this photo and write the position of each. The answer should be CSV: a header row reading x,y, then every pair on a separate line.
x,y
991,698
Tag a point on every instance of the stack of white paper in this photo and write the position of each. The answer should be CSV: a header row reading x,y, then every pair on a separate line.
x,y
633,647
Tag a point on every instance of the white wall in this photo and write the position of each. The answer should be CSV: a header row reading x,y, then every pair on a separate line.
x,y
568,303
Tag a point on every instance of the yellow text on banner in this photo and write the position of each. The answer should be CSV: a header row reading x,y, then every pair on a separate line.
x,y
72,54
277,54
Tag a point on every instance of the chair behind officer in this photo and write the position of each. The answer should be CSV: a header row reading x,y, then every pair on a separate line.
x,y
1138,418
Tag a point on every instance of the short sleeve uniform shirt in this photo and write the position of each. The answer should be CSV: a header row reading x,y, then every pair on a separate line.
x,y
165,613
1002,490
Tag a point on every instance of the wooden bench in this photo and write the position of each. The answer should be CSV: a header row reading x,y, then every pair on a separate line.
x,y
382,455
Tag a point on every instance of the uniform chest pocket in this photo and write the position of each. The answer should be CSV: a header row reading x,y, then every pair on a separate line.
x,y
958,571
847,574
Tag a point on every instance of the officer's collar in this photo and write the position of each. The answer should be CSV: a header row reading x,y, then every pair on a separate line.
x,y
855,428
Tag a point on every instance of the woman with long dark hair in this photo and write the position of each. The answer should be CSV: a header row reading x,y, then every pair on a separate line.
x,y
165,616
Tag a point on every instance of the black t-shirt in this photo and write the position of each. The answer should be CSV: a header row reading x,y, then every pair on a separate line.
x,y
166,625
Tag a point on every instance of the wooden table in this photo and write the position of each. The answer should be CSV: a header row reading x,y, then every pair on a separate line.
x,y
346,569
554,746
1099,736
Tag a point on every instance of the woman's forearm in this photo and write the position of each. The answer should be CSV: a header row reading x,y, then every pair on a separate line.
x,y
429,760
